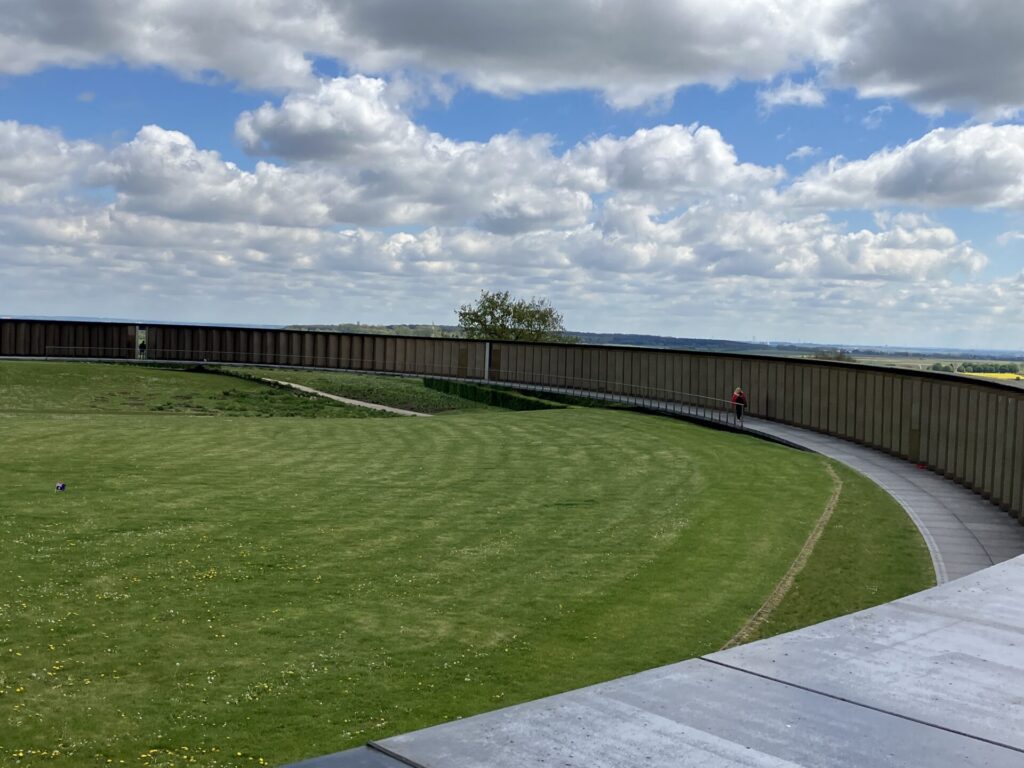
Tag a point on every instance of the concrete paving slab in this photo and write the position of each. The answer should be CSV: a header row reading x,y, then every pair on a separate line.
x,y
691,714
952,657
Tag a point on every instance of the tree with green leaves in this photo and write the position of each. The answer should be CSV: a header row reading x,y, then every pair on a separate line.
x,y
497,315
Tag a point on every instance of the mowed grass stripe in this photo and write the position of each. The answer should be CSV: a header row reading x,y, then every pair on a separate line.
x,y
284,587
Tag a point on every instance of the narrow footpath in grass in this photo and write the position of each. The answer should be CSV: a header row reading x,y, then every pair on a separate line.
x,y
774,600
346,400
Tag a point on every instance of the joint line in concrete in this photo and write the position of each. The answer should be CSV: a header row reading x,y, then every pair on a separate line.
x,y
863,705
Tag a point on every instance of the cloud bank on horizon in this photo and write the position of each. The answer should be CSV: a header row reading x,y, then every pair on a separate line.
x,y
828,170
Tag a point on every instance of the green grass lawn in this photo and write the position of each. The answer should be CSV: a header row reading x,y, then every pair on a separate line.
x,y
226,591
78,388
396,391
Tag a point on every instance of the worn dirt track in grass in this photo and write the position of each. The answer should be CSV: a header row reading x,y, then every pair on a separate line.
x,y
753,625
345,400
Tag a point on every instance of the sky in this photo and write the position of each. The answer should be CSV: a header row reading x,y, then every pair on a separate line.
x,y
832,171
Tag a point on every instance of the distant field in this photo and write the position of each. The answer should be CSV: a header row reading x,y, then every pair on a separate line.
x,y
925,363
998,376
242,591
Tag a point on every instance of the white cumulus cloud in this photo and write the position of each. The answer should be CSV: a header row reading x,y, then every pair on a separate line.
x,y
979,165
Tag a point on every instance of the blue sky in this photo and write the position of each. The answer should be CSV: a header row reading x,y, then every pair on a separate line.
x,y
836,171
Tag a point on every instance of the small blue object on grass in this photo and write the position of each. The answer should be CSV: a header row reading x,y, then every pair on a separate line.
x,y
61,487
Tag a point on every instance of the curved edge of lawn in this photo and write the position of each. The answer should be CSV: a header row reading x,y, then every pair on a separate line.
x,y
869,554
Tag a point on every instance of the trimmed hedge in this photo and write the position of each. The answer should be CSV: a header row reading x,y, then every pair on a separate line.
x,y
496,396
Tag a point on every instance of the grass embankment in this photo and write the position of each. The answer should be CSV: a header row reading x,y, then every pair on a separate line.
x,y
79,388
226,591
395,391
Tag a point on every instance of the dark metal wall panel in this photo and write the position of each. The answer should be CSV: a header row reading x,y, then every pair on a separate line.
x,y
941,427
7,337
792,392
419,356
434,364
870,408
880,412
887,442
512,362
720,385
560,366
819,402
1017,462
857,408
762,388
281,348
243,346
746,378
989,438
249,346
847,393
994,481
37,340
971,444
52,338
846,387
497,369
521,363
914,451
952,416
477,358
836,406
930,426
774,406
807,398
963,435
358,352
924,393
702,386
547,375
1007,464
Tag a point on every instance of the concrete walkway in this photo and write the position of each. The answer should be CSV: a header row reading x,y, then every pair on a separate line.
x,y
346,400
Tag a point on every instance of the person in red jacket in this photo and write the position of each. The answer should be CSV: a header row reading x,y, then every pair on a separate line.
x,y
739,401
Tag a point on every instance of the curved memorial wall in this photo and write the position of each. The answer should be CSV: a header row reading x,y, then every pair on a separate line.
x,y
967,429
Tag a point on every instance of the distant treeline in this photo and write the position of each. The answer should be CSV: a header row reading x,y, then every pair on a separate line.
x,y
977,367
834,354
